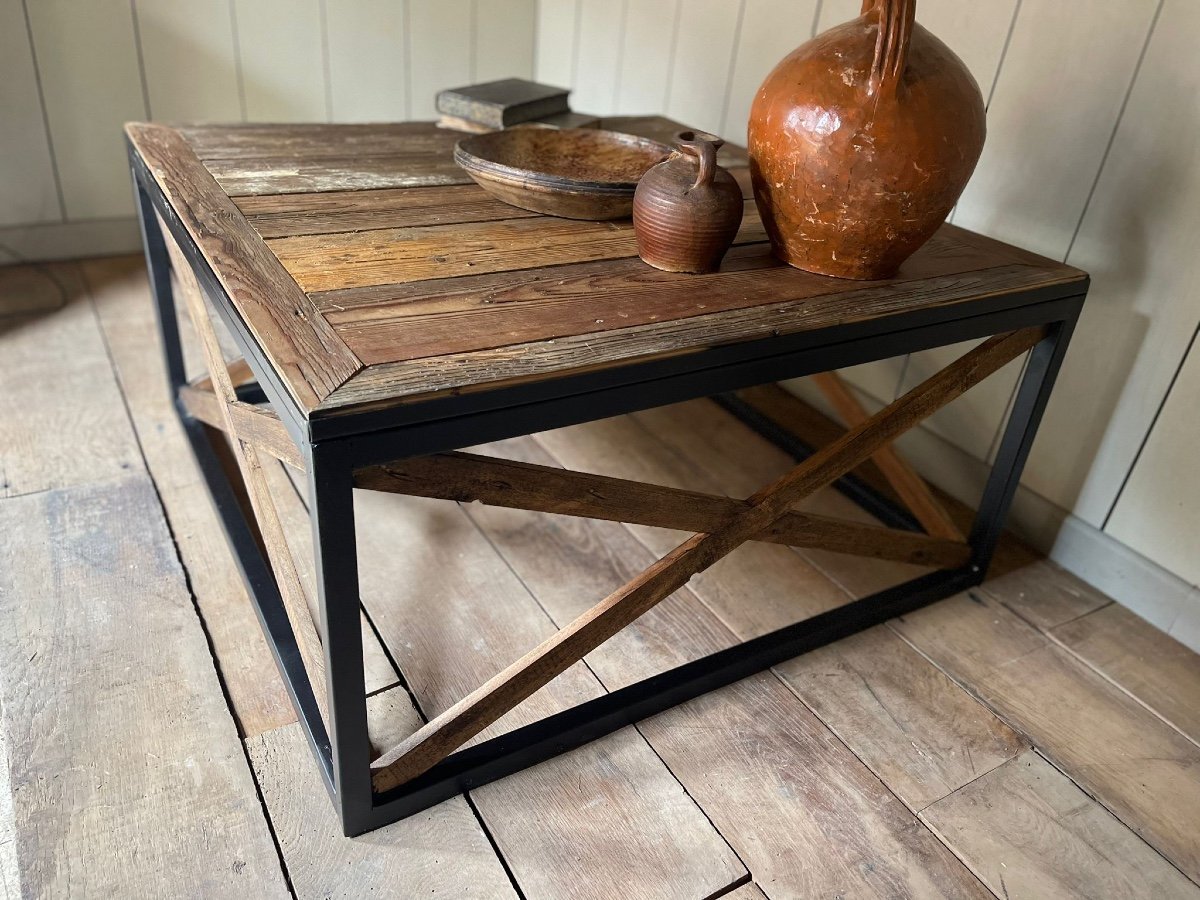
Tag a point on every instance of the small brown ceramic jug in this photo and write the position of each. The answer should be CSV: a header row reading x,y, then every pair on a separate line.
x,y
687,209
861,142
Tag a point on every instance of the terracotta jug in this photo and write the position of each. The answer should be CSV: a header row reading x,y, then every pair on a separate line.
x,y
861,142
687,209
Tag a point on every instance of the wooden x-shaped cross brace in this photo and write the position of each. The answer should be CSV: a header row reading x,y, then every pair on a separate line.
x,y
479,709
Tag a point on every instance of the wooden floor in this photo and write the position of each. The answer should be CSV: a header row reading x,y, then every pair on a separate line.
x,y
1027,739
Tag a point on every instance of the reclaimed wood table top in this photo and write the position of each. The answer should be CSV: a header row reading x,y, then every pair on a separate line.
x,y
372,271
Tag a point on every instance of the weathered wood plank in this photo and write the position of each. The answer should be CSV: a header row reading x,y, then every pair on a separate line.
x,y
440,852
530,361
1140,768
473,312
921,734
303,348
63,424
316,141
1045,595
290,175
115,744
34,289
1152,666
469,478
1027,831
402,255
289,215
558,825
121,296
743,751
255,425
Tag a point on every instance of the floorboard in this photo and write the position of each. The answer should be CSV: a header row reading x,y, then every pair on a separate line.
x,y
1144,771
1028,832
127,774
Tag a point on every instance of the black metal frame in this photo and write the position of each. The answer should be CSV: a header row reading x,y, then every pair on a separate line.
x,y
335,445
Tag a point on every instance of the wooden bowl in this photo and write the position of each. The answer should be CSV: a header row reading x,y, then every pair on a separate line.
x,y
576,173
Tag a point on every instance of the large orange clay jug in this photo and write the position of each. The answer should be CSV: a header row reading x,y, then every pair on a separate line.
x,y
861,142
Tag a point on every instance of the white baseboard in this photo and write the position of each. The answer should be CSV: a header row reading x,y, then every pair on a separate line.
x,y
69,240
1160,597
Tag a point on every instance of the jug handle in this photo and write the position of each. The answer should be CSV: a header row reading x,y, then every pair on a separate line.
x,y
896,18
703,147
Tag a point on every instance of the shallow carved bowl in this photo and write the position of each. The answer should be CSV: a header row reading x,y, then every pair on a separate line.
x,y
577,173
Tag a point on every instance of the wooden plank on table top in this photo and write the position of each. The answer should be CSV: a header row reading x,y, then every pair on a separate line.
x,y
401,255
560,824
747,752
1028,832
119,736
517,363
472,312
316,140
921,734
439,852
748,891
1046,595
302,347
121,296
1149,664
1138,766
63,423
288,175
289,215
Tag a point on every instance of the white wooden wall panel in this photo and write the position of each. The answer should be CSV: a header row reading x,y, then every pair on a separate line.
x,y
835,12
504,33
27,189
368,59
708,31
282,60
1139,240
190,57
1158,514
770,30
440,48
1052,113
88,60
598,55
647,55
554,48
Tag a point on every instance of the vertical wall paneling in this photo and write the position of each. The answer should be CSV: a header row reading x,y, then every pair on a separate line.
x,y
1158,512
598,55
368,59
704,48
554,48
1139,240
770,30
504,35
282,59
189,54
440,39
647,54
1052,113
88,62
835,12
28,192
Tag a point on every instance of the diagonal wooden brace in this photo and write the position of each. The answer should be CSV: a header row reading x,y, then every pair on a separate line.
x,y
479,709
910,486
467,478
308,640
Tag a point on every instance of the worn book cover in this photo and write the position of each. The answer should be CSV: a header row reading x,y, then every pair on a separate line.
x,y
498,104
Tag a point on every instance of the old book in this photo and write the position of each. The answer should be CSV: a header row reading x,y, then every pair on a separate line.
x,y
498,104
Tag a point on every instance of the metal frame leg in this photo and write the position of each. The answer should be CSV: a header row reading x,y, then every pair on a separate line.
x,y
331,511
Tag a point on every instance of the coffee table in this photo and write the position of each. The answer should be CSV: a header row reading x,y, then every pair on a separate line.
x,y
389,312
